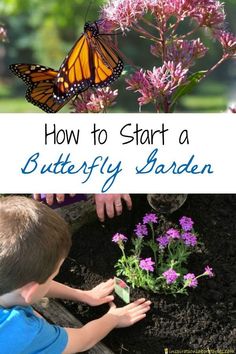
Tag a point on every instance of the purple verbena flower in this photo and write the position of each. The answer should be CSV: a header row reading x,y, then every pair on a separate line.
x,y
147,264
170,276
141,230
118,238
209,272
190,280
150,218
163,241
186,223
172,233
189,239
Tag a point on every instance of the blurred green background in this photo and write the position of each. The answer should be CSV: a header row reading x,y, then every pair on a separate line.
x,y
43,31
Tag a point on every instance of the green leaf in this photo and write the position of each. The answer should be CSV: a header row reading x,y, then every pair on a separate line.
x,y
182,90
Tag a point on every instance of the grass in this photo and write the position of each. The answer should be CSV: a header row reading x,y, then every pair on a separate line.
x,y
204,104
20,105
16,105
209,96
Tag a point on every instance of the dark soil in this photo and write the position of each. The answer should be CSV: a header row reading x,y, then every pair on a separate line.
x,y
203,320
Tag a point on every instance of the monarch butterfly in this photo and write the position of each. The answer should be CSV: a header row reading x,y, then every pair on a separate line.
x,y
90,63
39,80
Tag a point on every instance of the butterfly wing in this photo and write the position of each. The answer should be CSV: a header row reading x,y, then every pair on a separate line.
x,y
40,81
91,62
107,64
75,72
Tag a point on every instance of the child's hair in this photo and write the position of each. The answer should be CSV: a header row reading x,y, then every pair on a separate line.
x,y
33,240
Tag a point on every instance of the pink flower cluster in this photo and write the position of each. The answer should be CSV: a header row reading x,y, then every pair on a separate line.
x,y
227,40
177,51
232,109
181,51
97,101
123,12
3,34
157,84
209,13
126,13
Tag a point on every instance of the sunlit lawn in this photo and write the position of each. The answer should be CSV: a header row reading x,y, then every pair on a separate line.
x,y
20,105
204,104
211,96
16,105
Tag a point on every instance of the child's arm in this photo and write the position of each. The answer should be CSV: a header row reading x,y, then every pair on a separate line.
x,y
96,296
82,339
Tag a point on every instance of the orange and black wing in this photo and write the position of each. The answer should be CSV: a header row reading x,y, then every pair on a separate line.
x,y
91,62
40,81
107,64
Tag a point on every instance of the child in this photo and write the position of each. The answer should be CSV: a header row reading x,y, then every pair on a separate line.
x,y
34,241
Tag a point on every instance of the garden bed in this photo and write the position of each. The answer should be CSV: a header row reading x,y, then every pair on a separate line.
x,y
203,320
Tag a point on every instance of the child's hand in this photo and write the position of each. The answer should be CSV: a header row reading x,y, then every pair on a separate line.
x,y
130,314
100,294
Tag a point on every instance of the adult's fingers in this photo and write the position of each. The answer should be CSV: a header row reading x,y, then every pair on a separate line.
x,y
128,200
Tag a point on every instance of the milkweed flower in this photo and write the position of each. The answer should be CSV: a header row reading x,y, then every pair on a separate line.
x,y
97,101
141,230
158,83
126,13
209,272
185,51
3,34
186,223
189,239
137,81
170,275
227,40
190,280
164,9
167,77
147,264
118,238
209,13
232,109
123,12
150,218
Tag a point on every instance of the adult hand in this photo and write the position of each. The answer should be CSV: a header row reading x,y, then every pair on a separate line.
x,y
111,204
50,198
